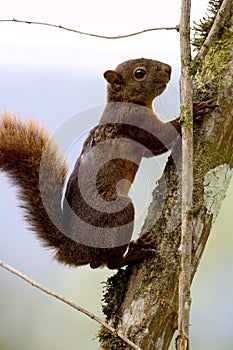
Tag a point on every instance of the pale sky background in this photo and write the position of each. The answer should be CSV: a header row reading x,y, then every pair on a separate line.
x,y
101,17
50,75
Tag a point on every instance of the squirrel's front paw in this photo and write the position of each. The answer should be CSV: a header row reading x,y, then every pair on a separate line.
x,y
201,108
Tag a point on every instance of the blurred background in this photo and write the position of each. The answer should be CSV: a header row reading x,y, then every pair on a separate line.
x,y
51,75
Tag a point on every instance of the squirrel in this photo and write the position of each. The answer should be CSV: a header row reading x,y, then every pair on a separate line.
x,y
93,222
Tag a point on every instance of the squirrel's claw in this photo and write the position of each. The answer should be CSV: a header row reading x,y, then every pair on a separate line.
x,y
202,108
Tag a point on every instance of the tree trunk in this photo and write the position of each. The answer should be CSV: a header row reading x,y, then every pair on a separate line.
x,y
142,301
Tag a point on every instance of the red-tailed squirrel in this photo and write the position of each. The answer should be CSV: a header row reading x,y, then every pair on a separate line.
x,y
95,222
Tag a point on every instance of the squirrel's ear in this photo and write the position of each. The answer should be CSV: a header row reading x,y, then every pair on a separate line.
x,y
113,77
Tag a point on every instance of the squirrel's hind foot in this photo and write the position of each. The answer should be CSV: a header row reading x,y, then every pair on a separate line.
x,y
137,251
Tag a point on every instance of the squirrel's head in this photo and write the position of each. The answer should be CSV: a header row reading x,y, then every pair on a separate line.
x,y
137,81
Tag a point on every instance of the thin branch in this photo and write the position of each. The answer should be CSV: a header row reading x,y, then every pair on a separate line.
x,y
214,29
89,34
68,302
187,179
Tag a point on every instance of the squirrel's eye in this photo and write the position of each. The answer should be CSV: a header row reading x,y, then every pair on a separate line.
x,y
139,73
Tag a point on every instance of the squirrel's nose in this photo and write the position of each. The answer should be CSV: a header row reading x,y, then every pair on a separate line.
x,y
167,69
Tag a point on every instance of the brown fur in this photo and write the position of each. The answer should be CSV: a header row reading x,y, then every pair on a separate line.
x,y
32,161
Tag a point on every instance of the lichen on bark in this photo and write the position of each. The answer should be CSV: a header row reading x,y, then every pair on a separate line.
x,y
216,183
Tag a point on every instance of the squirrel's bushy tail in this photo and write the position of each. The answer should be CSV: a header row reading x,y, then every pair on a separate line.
x,y
32,162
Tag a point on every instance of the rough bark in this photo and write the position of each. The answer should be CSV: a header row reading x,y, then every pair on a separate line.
x,y
186,102
142,301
